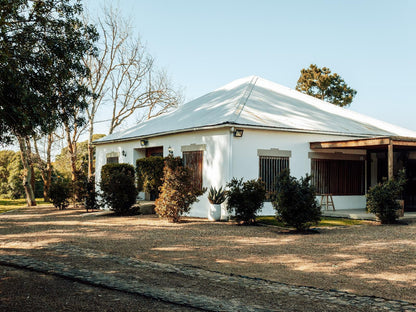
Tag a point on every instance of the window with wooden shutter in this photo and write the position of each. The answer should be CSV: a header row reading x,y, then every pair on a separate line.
x,y
338,177
269,168
193,160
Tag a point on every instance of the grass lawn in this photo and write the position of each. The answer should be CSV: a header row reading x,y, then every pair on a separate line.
x,y
10,204
325,221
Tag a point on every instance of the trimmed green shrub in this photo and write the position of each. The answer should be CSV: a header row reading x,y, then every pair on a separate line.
x,y
295,201
60,193
178,191
382,198
245,199
117,187
149,173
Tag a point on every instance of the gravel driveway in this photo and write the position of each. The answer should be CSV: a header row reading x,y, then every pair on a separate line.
x,y
370,259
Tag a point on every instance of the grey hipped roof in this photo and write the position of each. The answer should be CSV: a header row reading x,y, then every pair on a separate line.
x,y
256,102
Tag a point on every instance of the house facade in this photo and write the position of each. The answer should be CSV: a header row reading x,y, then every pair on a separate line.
x,y
253,128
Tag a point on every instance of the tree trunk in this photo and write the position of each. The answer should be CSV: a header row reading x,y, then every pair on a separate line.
x,y
27,172
72,149
47,174
90,151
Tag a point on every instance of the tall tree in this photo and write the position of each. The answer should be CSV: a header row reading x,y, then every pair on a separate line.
x,y
42,43
124,77
44,162
320,83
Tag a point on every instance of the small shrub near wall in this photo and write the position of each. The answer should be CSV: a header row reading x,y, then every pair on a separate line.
x,y
149,173
117,187
382,199
245,199
178,191
295,201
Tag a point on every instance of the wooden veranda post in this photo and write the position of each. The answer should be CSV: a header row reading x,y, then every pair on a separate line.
x,y
390,159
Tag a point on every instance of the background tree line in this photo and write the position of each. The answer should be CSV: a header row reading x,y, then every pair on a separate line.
x,y
57,70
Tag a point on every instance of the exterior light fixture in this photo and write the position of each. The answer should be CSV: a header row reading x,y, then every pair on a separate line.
x,y
124,153
238,133
143,142
170,150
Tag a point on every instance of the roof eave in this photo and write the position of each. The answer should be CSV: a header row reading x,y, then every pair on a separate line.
x,y
232,124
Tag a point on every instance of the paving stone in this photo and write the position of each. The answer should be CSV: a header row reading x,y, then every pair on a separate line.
x,y
188,295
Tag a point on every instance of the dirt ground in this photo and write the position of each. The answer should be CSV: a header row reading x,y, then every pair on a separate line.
x,y
367,259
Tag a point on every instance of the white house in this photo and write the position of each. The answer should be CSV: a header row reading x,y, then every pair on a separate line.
x,y
253,128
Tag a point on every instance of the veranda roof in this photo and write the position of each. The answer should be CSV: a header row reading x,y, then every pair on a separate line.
x,y
259,103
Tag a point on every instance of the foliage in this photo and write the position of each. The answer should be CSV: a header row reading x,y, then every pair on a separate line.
x,y
216,197
382,198
178,192
245,199
91,195
11,175
117,186
295,201
60,193
41,49
62,162
149,173
320,83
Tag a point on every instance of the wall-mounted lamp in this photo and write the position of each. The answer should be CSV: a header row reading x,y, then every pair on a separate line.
x,y
124,153
170,150
238,133
143,142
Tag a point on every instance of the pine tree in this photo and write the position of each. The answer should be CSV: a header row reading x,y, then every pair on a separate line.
x,y
320,83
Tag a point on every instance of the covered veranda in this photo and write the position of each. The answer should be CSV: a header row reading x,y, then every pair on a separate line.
x,y
384,157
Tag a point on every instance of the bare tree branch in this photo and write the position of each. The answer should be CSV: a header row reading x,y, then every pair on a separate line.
x,y
124,77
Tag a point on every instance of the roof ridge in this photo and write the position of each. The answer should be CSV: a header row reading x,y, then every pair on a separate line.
x,y
244,98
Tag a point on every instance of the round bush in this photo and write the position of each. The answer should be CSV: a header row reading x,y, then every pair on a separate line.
x,y
117,187
60,193
295,201
382,199
245,199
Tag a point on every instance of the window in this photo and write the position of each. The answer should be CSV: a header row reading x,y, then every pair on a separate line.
x,y
193,160
269,168
338,177
154,151
112,158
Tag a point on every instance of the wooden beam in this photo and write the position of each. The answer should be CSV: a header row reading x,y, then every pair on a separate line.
x,y
390,159
350,143
404,143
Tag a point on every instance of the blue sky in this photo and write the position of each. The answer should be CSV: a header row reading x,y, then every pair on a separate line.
x,y
206,44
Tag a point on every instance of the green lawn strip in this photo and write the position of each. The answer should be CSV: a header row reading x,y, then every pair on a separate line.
x,y
11,204
326,221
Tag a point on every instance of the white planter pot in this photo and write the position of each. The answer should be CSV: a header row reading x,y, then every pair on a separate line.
x,y
214,213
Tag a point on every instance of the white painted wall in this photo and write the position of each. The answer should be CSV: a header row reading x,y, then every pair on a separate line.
x,y
215,165
245,161
222,163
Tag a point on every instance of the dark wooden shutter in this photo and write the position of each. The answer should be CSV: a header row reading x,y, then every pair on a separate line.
x,y
193,160
338,177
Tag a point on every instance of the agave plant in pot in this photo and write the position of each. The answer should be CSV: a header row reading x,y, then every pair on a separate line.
x,y
216,198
